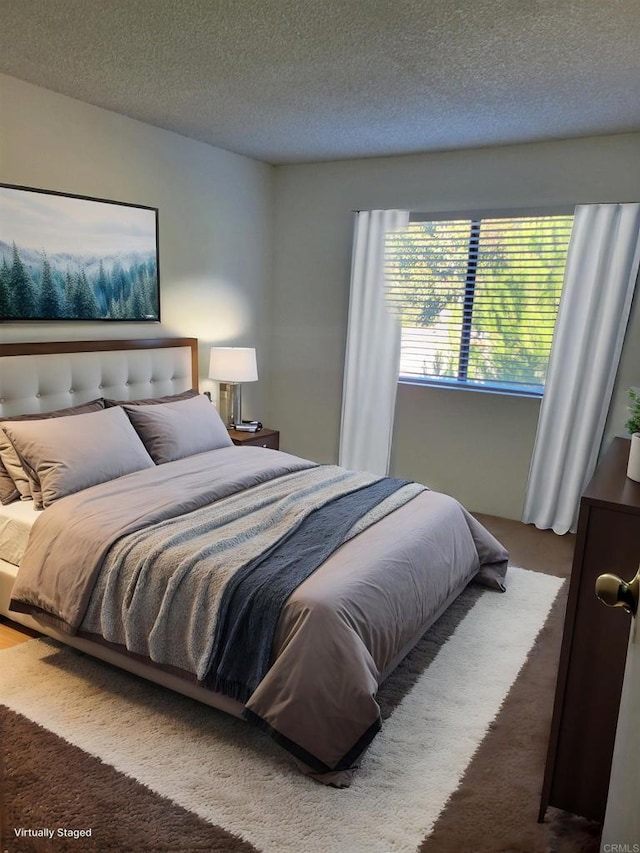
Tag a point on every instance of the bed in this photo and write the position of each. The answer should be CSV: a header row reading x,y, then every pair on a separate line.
x,y
275,589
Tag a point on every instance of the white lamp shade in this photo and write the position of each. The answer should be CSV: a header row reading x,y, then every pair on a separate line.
x,y
233,364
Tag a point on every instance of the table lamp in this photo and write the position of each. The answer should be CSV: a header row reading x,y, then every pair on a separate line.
x,y
233,365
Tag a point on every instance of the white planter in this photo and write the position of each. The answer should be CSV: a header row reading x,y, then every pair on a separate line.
x,y
633,466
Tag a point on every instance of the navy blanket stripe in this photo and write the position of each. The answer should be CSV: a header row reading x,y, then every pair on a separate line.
x,y
318,766
252,601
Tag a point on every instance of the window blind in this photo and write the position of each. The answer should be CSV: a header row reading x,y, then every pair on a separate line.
x,y
478,298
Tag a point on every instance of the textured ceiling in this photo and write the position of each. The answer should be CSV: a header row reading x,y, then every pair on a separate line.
x,y
303,80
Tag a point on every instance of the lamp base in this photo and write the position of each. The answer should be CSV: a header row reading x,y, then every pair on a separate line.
x,y
235,403
225,402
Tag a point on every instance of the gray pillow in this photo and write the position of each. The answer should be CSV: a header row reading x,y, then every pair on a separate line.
x,y
179,429
153,401
64,455
14,482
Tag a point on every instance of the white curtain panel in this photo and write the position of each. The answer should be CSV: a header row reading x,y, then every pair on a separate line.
x,y
600,276
372,357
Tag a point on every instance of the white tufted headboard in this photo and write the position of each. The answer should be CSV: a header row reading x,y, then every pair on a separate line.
x,y
41,377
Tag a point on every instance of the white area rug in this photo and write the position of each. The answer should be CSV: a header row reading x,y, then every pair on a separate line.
x,y
233,776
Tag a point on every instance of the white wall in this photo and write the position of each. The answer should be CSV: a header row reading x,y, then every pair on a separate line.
x,y
215,217
474,446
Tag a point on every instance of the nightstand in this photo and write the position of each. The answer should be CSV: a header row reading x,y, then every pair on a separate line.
x,y
263,438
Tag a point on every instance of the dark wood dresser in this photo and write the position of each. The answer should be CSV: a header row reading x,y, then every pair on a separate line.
x,y
594,643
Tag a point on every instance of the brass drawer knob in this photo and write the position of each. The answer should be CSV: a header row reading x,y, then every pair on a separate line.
x,y
614,592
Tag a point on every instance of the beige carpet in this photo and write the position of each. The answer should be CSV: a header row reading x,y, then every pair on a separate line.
x,y
229,779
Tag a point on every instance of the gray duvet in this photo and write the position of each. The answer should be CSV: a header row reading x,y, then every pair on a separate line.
x,y
88,567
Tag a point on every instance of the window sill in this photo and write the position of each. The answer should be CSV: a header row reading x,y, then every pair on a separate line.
x,y
453,385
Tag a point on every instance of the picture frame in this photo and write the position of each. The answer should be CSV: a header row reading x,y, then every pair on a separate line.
x,y
67,257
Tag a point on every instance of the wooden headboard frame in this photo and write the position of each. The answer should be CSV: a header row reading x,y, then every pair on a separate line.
x,y
50,347
36,373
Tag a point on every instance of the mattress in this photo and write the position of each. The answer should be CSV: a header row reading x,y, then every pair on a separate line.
x,y
16,520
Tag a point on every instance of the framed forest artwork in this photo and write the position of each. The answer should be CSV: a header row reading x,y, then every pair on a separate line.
x,y
69,257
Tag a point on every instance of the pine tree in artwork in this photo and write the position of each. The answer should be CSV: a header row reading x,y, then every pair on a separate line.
x,y
102,290
116,310
5,293
23,291
50,302
137,304
85,303
69,295
147,284
118,282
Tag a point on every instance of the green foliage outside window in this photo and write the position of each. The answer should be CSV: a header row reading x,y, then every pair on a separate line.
x,y
478,299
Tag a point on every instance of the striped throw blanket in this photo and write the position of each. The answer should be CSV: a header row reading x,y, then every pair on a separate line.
x,y
203,591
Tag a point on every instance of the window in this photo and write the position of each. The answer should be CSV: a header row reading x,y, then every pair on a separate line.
x,y
478,299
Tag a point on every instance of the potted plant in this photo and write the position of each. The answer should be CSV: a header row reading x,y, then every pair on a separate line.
x,y
633,426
